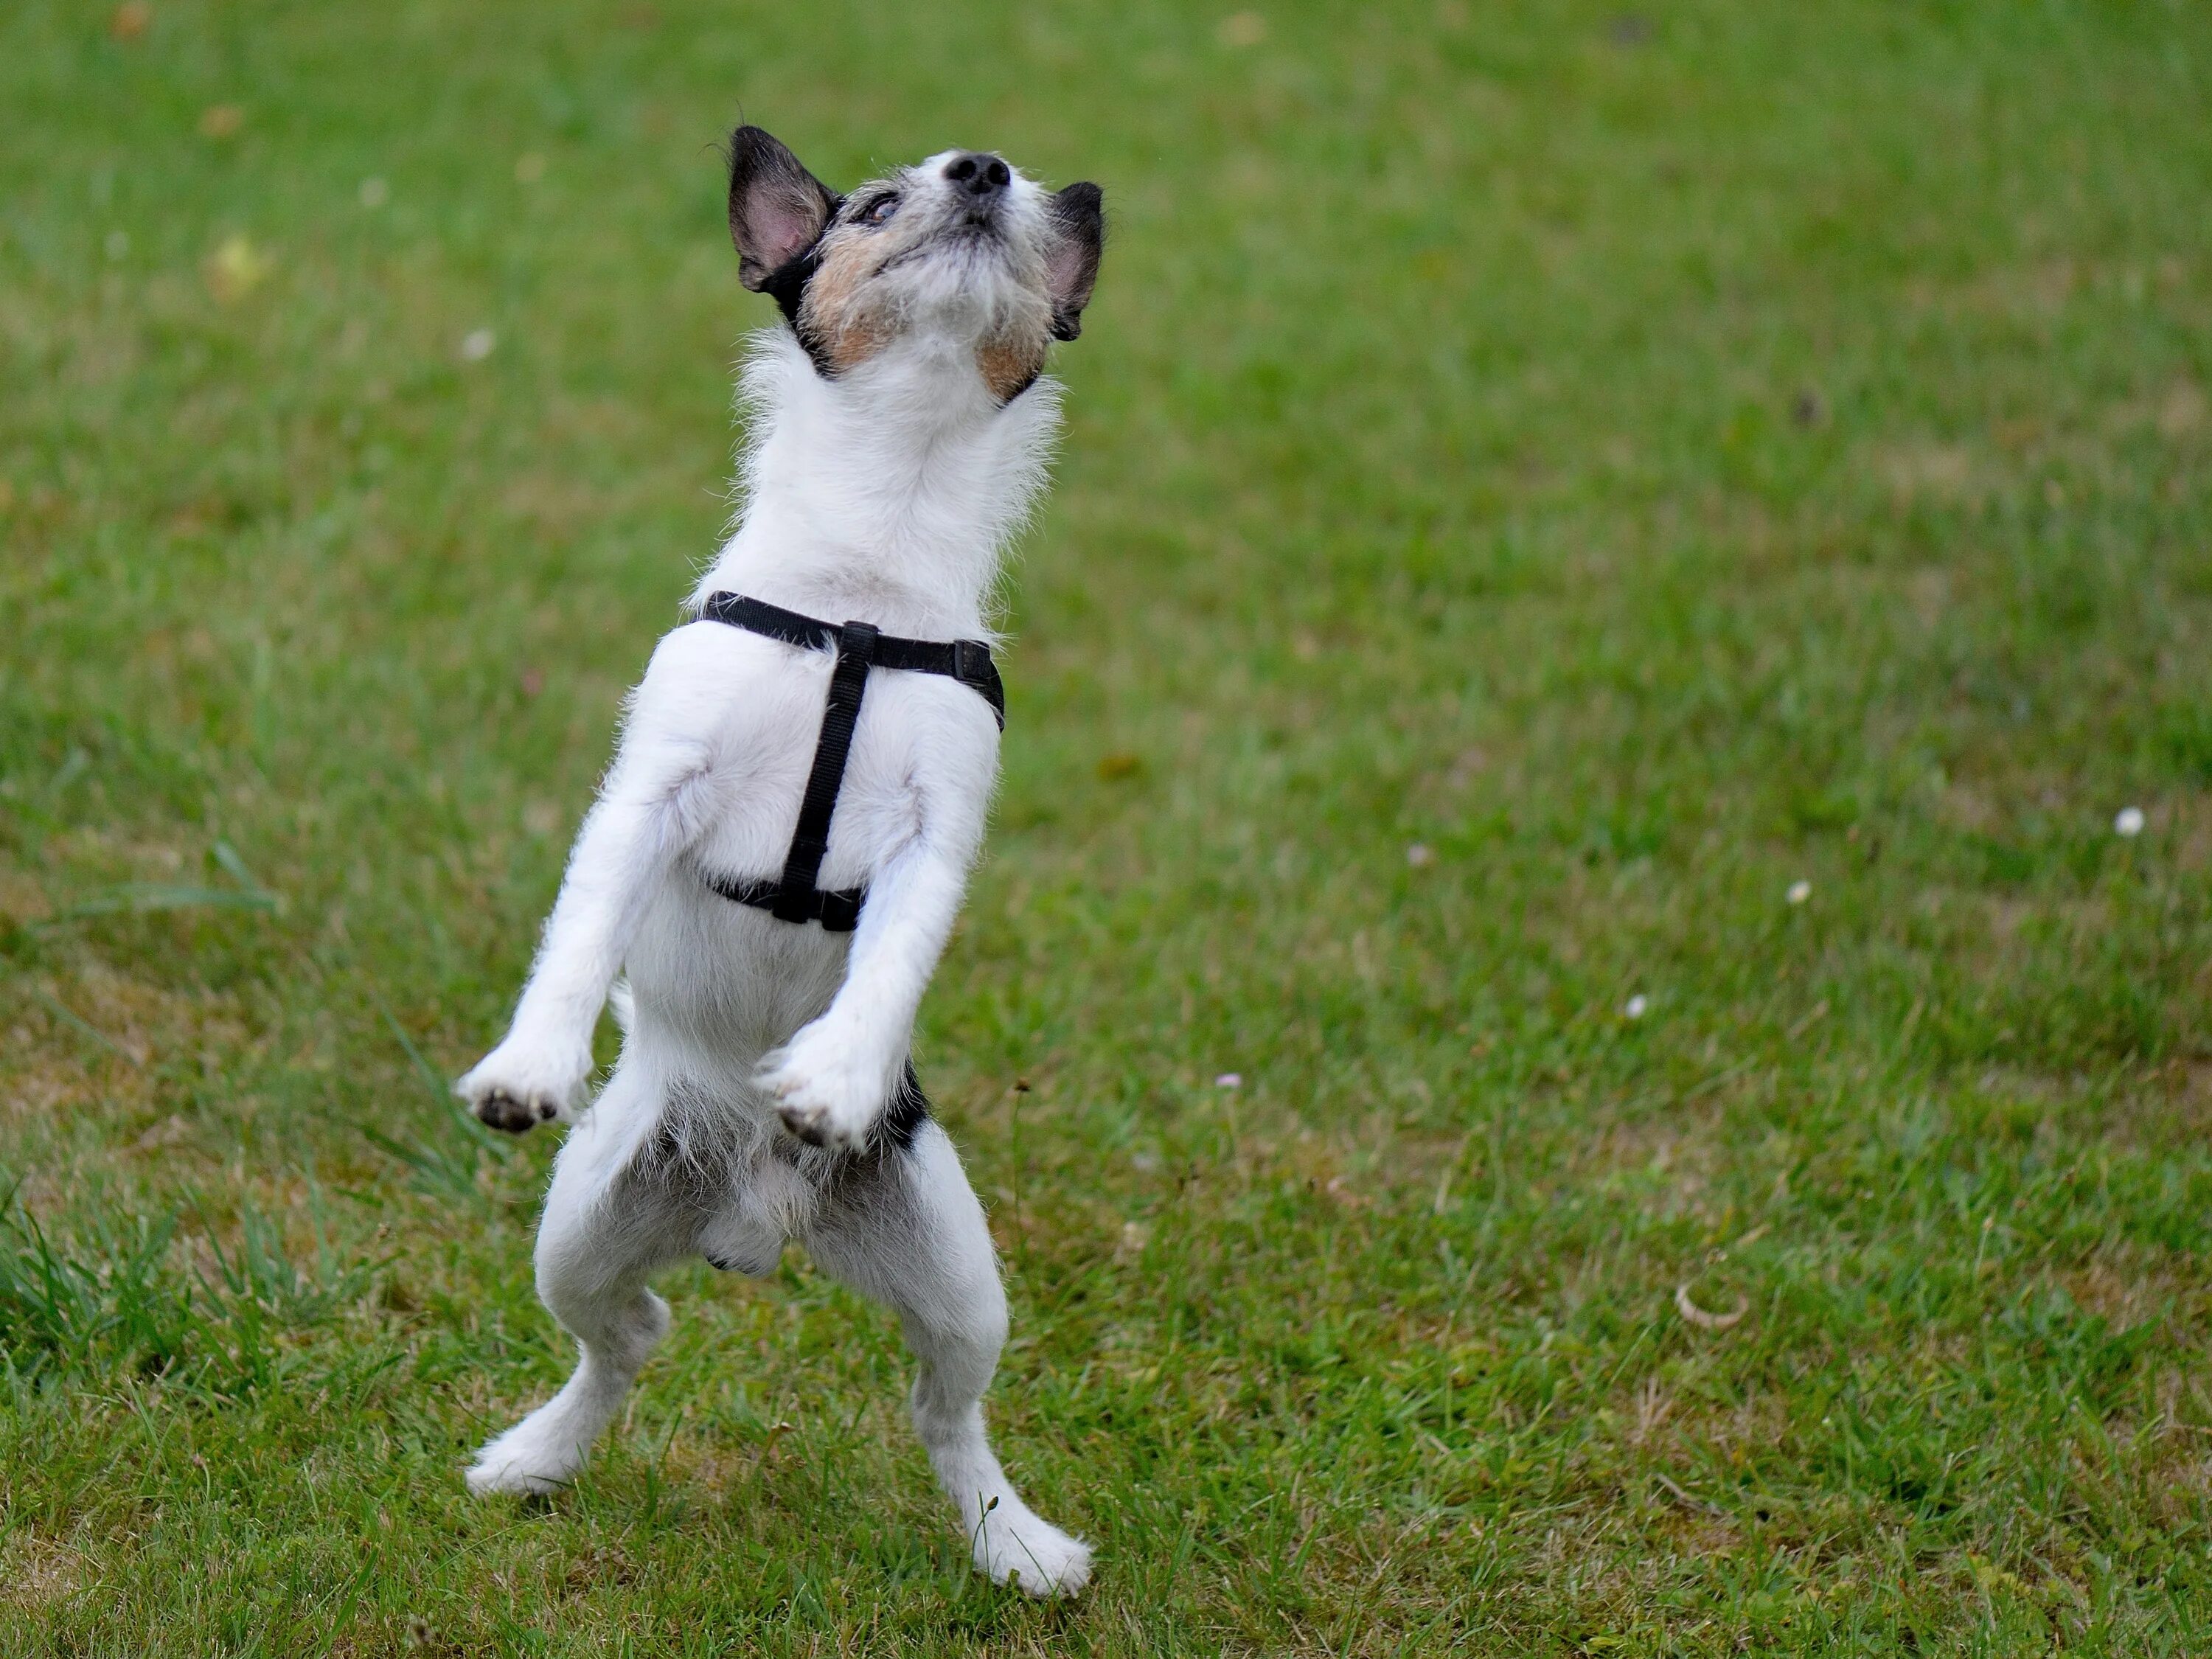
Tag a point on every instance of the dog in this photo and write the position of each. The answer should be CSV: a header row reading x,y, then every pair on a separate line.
x,y
900,431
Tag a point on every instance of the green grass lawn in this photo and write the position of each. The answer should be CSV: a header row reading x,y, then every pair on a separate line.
x,y
1542,484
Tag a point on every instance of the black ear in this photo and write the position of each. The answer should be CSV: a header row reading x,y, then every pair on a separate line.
x,y
1071,262
777,207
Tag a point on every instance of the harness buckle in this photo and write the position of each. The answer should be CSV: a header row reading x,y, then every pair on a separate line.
x,y
971,662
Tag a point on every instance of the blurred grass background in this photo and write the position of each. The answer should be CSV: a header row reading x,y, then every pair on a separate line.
x,y
1542,482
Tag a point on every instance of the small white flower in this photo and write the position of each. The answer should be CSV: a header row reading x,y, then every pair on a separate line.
x,y
1420,853
1230,1080
2128,821
1799,891
1634,1007
476,344
375,192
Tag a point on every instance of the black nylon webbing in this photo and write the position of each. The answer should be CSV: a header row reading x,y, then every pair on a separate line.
x,y
794,896
967,661
856,650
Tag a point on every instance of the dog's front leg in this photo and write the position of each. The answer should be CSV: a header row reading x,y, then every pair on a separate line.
x,y
647,813
831,1081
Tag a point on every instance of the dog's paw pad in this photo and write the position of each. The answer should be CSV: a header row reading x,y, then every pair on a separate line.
x,y
806,1123
501,1110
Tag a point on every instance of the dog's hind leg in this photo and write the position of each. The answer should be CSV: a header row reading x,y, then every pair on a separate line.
x,y
605,1230
903,1226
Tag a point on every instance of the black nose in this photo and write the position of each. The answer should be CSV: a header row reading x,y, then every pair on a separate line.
x,y
976,174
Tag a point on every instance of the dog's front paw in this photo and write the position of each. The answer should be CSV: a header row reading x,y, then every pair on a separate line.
x,y
826,1092
517,1089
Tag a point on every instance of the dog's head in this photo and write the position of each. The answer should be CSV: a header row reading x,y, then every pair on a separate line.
x,y
960,250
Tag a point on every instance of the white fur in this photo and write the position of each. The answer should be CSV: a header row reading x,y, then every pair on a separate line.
x,y
886,494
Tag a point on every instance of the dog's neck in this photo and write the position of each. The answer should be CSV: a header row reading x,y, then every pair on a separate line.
x,y
887,494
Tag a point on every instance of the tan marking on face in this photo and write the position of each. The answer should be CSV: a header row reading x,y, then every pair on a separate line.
x,y
854,308
855,342
1010,363
836,313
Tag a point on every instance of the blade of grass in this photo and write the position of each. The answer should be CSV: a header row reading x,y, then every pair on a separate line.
x,y
71,1018
146,897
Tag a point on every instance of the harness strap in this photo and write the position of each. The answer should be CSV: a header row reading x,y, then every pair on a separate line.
x,y
837,912
793,897
968,661
856,649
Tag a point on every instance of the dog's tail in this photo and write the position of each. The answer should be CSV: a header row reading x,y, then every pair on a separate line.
x,y
623,1004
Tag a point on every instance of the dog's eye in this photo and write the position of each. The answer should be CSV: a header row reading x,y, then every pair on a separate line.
x,y
879,211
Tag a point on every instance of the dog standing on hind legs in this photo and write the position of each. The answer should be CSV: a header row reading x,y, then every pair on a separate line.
x,y
899,434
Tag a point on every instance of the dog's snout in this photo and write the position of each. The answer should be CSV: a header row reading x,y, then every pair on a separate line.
x,y
974,173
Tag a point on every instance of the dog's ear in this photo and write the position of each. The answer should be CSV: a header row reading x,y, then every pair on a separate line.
x,y
777,207
1071,261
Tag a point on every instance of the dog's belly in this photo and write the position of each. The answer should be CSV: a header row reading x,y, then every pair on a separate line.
x,y
728,981
723,983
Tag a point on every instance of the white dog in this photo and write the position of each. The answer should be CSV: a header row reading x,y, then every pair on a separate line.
x,y
900,432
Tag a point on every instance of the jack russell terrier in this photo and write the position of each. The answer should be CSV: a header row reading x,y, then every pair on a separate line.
x,y
779,851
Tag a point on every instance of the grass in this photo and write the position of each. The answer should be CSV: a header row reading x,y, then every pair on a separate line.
x,y
1642,462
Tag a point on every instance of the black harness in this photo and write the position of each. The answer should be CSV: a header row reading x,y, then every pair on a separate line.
x,y
794,896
